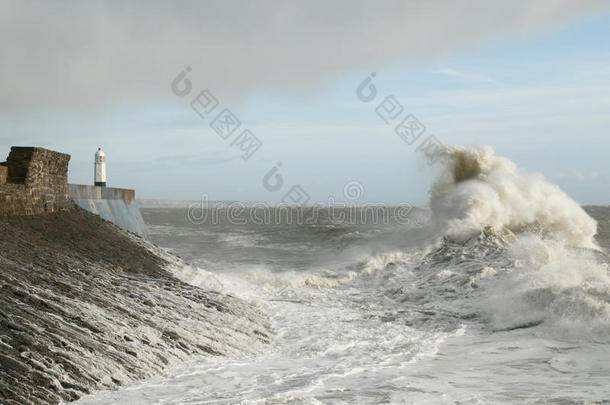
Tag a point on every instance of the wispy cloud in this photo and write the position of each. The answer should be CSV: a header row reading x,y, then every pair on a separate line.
x,y
465,76
577,175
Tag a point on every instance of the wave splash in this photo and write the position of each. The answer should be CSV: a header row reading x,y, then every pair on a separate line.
x,y
479,189
513,251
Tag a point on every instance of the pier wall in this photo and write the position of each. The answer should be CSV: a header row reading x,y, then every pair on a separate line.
x,y
34,181
117,205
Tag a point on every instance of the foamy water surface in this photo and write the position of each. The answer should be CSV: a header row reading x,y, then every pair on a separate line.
x,y
517,314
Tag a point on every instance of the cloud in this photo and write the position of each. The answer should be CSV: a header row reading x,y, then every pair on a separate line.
x,y
73,54
577,175
465,76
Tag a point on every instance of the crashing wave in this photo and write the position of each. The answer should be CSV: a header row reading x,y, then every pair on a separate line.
x,y
515,252
478,189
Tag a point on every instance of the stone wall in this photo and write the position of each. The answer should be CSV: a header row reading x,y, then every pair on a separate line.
x,y
36,182
3,173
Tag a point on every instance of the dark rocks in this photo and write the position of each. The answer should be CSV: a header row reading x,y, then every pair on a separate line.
x,y
12,366
85,306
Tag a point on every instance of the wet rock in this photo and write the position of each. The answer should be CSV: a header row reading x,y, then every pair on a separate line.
x,y
86,306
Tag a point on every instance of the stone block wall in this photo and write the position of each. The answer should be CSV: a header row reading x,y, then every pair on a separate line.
x,y
3,173
36,182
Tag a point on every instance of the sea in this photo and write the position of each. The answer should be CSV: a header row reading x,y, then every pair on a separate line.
x,y
498,291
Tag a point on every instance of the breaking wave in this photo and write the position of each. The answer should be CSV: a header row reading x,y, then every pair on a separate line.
x,y
506,284
513,251
478,189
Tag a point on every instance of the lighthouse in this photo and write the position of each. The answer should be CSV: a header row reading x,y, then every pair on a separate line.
x,y
100,168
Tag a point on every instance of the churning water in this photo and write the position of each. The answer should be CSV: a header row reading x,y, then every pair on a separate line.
x,y
500,295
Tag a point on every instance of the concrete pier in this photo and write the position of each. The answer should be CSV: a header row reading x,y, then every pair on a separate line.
x,y
34,181
117,205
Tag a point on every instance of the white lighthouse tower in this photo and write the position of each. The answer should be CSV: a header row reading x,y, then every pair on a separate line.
x,y
100,168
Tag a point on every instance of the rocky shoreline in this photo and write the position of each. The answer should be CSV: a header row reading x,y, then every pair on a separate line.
x,y
87,306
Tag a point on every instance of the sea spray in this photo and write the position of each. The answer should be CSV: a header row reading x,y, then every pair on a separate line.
x,y
426,319
478,189
552,284
527,249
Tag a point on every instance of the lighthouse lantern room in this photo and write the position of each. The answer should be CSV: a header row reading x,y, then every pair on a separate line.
x,y
100,168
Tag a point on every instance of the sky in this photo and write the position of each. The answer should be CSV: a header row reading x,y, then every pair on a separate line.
x,y
530,78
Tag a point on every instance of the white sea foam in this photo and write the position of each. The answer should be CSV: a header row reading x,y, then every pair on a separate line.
x,y
478,189
318,279
404,317
563,288
543,277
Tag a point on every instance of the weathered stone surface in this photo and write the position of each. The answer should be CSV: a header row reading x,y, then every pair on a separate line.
x,y
87,306
37,182
3,173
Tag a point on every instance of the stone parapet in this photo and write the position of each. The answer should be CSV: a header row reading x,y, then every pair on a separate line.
x,y
36,182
